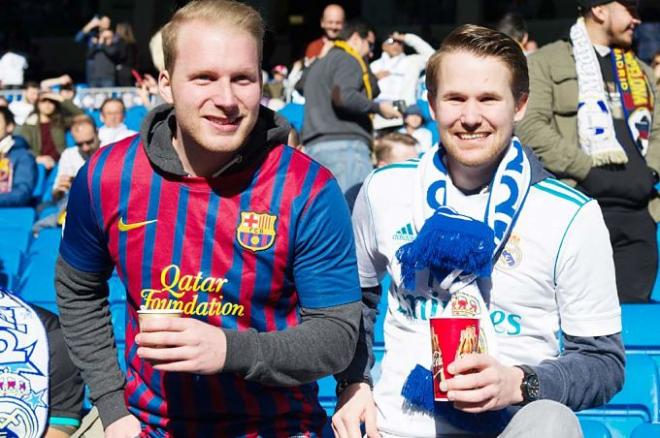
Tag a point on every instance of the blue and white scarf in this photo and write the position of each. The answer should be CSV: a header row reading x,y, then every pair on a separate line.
x,y
456,250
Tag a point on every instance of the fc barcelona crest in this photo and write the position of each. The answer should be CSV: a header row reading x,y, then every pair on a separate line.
x,y
256,231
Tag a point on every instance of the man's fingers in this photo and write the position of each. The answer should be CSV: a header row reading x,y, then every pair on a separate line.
x,y
338,427
480,395
469,362
370,422
165,324
163,338
175,354
468,381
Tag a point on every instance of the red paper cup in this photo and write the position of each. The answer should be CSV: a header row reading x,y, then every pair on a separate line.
x,y
451,338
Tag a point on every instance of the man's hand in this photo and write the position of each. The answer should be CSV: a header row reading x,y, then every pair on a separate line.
x,y
182,345
481,384
51,96
47,161
355,406
387,110
400,37
382,74
91,24
106,37
125,427
62,186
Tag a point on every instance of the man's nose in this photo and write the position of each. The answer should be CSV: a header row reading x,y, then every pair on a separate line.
x,y
470,114
224,95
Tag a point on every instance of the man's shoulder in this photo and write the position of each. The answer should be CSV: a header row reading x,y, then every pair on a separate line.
x,y
550,53
559,197
393,182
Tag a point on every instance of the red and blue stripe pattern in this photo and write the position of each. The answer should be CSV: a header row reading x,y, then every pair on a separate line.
x,y
177,241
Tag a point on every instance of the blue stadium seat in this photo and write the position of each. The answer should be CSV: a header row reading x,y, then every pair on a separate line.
x,y
16,217
11,261
17,237
637,402
117,290
594,429
655,293
647,430
134,117
47,195
637,332
38,191
118,317
48,242
294,113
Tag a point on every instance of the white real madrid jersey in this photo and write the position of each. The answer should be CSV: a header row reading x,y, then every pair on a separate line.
x,y
555,274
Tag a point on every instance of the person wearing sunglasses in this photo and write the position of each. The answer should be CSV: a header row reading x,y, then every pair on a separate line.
x,y
86,137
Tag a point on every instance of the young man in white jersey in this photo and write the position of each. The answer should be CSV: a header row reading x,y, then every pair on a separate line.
x,y
540,276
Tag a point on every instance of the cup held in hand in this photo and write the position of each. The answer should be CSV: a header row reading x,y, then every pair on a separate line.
x,y
451,338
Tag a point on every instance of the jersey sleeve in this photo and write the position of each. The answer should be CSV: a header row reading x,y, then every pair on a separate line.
x,y
83,243
371,263
324,266
585,279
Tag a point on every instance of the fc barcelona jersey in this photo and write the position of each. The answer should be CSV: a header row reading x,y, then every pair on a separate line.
x,y
244,250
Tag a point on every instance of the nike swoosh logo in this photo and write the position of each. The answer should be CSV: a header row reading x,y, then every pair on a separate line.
x,y
128,227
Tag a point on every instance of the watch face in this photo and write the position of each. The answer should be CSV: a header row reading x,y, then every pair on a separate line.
x,y
532,386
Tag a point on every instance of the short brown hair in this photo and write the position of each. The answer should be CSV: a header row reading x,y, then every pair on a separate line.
x,y
383,145
483,42
227,12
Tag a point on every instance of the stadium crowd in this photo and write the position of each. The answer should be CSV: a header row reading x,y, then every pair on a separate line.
x,y
485,174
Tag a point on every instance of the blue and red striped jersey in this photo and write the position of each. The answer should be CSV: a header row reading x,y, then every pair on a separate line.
x,y
241,251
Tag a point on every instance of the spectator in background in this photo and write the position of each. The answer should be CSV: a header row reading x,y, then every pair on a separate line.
x,y
413,119
18,170
86,138
127,54
24,107
397,72
339,90
513,24
587,131
332,23
102,50
45,128
59,81
113,113
394,147
12,69
656,68
276,86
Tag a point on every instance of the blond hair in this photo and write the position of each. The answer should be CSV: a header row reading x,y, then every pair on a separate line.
x,y
383,145
221,12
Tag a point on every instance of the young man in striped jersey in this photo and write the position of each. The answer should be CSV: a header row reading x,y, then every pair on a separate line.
x,y
476,228
208,212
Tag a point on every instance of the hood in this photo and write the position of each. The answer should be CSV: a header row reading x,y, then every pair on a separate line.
x,y
158,128
19,143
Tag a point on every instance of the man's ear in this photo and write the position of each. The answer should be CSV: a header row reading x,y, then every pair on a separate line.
x,y
600,13
432,104
521,107
165,86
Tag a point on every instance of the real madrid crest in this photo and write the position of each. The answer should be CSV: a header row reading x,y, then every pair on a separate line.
x,y
512,255
256,231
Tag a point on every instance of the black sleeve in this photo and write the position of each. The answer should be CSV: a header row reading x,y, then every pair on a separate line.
x,y
360,367
66,388
588,373
347,90
82,298
321,345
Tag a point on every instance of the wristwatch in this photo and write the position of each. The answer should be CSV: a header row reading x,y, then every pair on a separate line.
x,y
530,387
343,384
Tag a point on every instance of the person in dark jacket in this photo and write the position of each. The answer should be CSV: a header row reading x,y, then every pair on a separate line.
x,y
339,91
102,51
18,169
127,54
45,128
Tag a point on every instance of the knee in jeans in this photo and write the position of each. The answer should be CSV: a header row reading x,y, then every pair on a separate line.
x,y
547,418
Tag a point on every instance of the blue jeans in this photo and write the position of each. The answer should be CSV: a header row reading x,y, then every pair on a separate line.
x,y
348,160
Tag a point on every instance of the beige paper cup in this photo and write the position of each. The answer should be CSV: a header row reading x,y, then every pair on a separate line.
x,y
144,314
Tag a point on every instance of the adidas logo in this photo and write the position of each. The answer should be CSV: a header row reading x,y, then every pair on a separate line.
x,y
405,234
